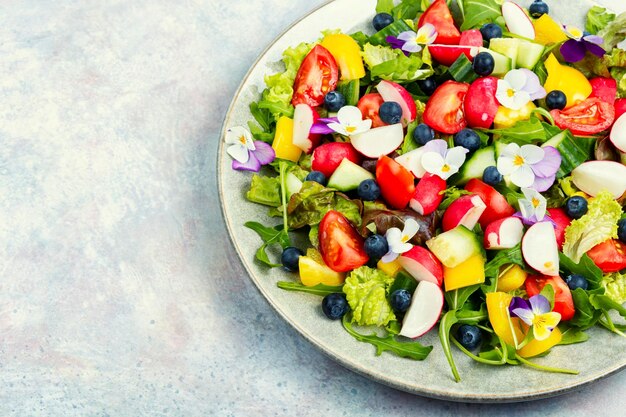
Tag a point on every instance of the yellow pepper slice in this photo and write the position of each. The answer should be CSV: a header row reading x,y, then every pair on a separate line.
x,y
347,53
506,117
511,278
536,347
390,268
548,31
283,140
469,272
509,329
569,80
313,270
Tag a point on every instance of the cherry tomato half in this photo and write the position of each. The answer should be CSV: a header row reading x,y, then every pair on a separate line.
x,y
318,74
341,245
563,301
444,110
369,105
588,117
610,256
396,183
438,14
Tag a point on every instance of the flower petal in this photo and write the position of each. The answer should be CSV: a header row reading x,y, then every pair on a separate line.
x,y
527,316
252,164
595,49
526,208
264,152
394,42
539,304
520,99
438,145
506,165
339,128
544,325
393,235
349,115
411,47
362,126
432,162
573,50
407,36
411,227
523,176
518,302
542,184
321,129
456,156
502,93
238,134
511,150
549,165
238,152
389,257
516,79
595,39
531,154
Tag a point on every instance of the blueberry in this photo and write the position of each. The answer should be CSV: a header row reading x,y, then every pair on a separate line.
x,y
621,230
334,100
576,207
376,246
423,134
490,31
469,336
468,139
574,281
492,176
428,85
382,20
390,112
317,177
335,305
483,63
556,100
400,300
538,8
290,258
368,190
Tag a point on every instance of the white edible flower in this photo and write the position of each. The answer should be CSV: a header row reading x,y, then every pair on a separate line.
x,y
516,162
350,122
241,143
441,161
398,241
534,206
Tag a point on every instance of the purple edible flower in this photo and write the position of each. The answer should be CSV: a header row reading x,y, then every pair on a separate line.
x,y
574,49
536,312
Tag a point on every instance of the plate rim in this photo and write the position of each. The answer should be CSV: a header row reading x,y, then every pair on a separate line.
x,y
351,365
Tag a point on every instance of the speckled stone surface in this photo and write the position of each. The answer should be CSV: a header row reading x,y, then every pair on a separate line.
x,y
120,293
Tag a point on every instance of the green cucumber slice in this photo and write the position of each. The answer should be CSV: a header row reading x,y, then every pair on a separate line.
x,y
455,246
394,29
502,62
348,176
350,90
462,70
507,47
476,165
574,151
529,54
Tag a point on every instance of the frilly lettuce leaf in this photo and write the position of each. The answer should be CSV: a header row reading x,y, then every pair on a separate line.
x,y
377,54
597,18
615,286
392,65
366,292
595,227
614,32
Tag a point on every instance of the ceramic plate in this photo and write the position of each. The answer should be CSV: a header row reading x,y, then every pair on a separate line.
x,y
599,357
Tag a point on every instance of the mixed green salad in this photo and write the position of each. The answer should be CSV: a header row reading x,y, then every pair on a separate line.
x,y
459,166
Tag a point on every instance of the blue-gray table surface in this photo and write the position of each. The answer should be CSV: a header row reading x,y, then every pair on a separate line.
x,y
120,293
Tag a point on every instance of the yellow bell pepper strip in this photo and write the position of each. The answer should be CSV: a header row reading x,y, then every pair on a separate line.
x,y
548,31
569,80
313,270
506,117
390,268
347,53
283,140
509,329
536,347
511,278
469,272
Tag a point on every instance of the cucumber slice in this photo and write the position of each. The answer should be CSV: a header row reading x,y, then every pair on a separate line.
x,y
462,70
292,184
475,166
529,54
574,151
394,29
403,281
507,47
348,176
455,246
350,90
502,62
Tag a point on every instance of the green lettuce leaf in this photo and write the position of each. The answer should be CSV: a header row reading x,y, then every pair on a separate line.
x,y
308,207
597,18
384,6
595,227
619,74
397,67
614,32
366,292
615,286
264,190
377,54
477,12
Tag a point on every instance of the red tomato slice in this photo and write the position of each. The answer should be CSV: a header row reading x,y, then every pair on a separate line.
x,y
586,118
620,107
444,109
480,103
563,301
340,244
604,88
610,256
318,74
497,206
369,105
438,14
396,183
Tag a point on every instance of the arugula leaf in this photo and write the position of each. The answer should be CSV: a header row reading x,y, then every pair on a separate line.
x,y
503,257
548,293
472,316
409,143
586,314
570,335
445,325
456,299
523,132
477,12
407,9
411,350
606,304
585,267
597,18
319,289
270,236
